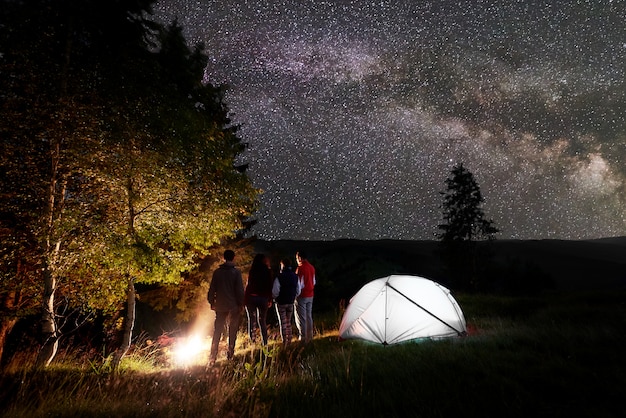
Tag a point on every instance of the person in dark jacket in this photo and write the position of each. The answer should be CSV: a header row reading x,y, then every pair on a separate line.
x,y
226,298
284,292
258,296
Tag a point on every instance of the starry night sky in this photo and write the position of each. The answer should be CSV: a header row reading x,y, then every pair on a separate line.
x,y
356,111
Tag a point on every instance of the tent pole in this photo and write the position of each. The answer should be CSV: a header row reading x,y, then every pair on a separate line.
x,y
422,308
386,298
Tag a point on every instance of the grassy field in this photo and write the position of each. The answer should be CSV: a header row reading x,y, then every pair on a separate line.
x,y
554,355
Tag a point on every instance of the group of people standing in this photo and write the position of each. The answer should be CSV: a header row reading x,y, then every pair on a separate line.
x,y
288,290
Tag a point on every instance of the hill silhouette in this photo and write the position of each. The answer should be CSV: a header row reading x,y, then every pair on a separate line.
x,y
520,265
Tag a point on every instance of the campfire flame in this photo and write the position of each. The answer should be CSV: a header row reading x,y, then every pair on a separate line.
x,y
189,351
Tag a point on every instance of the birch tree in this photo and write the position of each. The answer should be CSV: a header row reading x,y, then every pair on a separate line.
x,y
120,157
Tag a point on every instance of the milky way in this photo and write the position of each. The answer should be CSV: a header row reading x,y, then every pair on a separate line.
x,y
356,111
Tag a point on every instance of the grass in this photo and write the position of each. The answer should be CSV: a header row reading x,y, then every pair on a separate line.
x,y
556,355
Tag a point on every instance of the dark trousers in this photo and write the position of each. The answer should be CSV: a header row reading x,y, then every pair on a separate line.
x,y
257,316
234,318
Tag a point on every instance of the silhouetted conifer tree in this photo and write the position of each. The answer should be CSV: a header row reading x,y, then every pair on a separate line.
x,y
465,223
463,216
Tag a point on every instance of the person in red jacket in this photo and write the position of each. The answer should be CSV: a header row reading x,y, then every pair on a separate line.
x,y
304,301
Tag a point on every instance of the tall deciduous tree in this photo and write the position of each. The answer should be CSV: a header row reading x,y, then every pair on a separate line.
x,y
124,159
174,175
46,129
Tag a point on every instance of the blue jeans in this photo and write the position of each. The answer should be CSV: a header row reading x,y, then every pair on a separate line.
x,y
304,318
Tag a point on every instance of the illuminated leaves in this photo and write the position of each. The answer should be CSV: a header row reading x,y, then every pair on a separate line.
x,y
115,156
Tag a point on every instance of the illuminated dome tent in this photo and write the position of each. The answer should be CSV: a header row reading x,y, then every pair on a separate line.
x,y
400,308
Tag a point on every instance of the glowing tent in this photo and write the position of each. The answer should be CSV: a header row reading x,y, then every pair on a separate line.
x,y
402,308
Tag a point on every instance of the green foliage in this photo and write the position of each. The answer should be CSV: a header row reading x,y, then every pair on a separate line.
x,y
177,189
259,369
117,159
